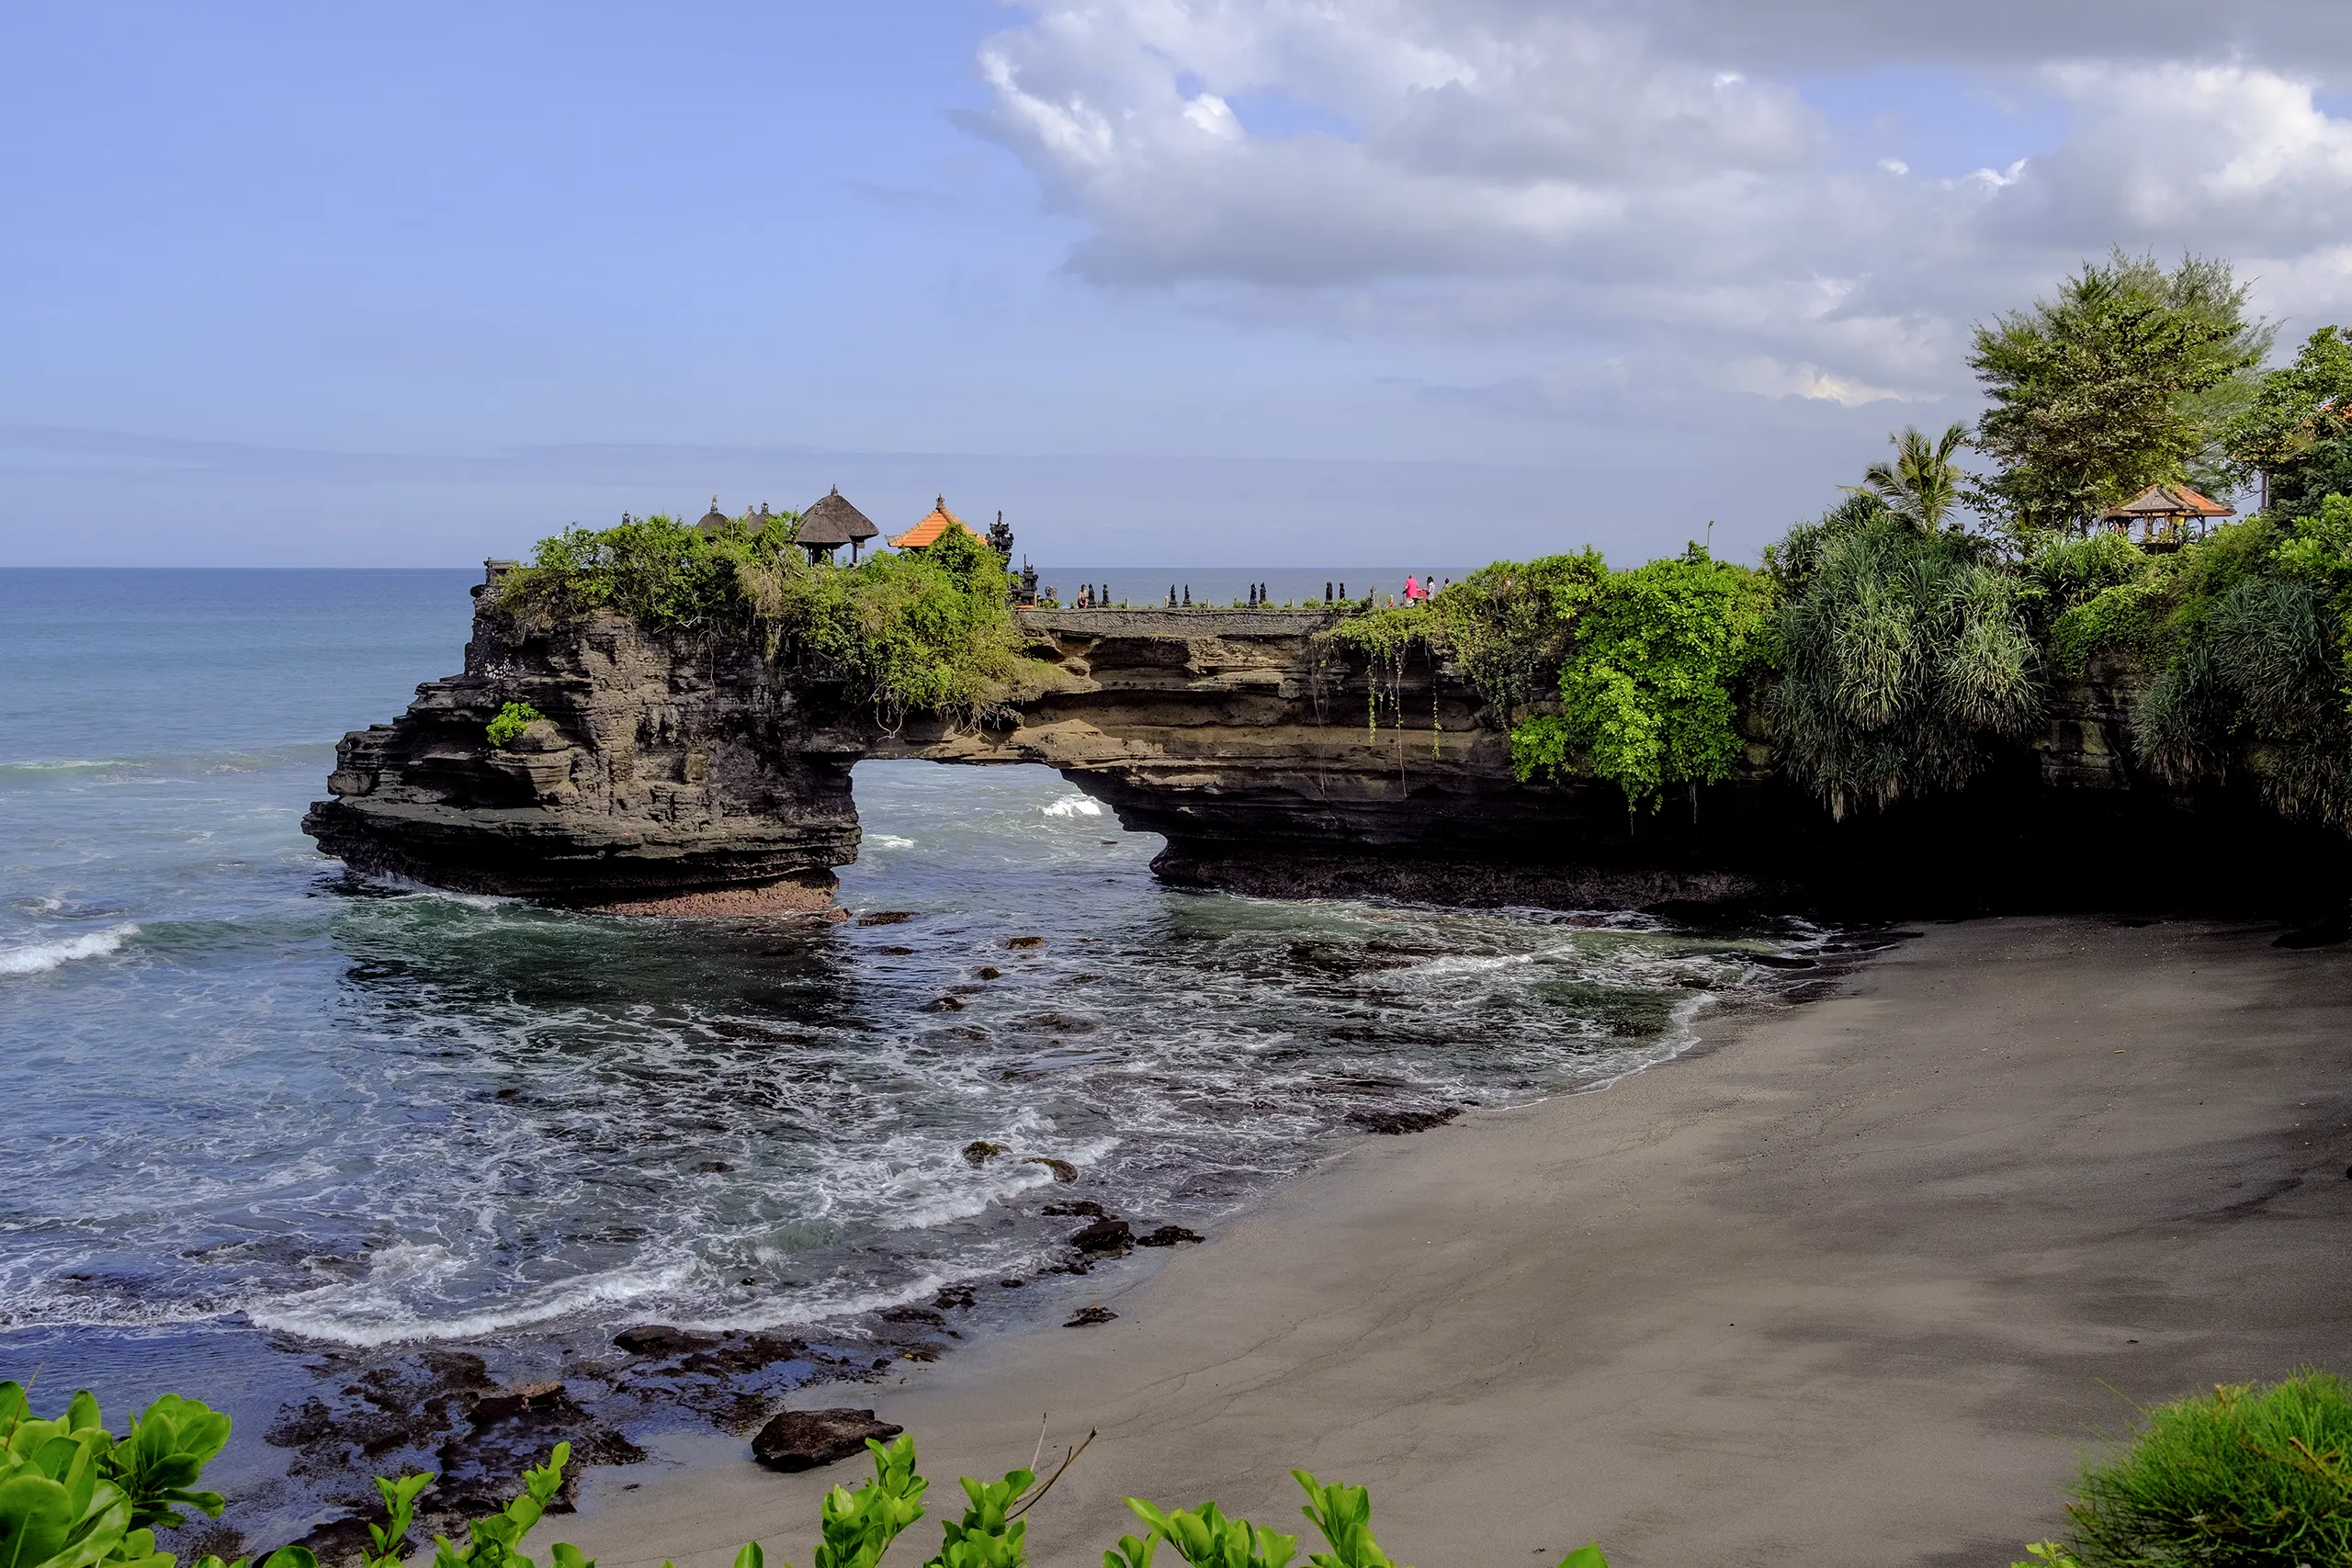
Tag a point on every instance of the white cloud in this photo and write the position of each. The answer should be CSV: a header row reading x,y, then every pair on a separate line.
x,y
1517,169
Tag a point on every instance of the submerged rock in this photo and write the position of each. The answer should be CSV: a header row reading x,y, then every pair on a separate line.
x,y
1063,1170
979,1151
803,1439
1104,1235
1170,1235
1396,1122
1086,1316
661,1339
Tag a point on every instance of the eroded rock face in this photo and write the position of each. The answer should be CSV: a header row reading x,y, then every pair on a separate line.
x,y
672,767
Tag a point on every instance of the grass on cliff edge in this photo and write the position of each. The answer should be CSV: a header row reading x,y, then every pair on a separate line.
x,y
2253,1475
927,631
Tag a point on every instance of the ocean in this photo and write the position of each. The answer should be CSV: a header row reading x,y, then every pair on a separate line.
x,y
269,1124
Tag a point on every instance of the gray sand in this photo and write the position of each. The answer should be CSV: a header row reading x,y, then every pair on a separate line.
x,y
1857,1284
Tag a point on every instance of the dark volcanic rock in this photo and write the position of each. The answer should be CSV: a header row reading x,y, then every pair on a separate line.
x,y
953,1296
1087,1315
1104,1235
979,1151
661,1339
669,765
1168,1235
1063,1170
509,1431
334,1543
803,1439
887,918
1399,1122
1084,1207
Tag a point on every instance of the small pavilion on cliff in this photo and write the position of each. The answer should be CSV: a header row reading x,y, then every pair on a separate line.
x,y
832,522
2167,514
935,523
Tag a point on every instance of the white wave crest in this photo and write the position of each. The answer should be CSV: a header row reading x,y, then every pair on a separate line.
x,y
377,1310
1074,806
887,842
42,956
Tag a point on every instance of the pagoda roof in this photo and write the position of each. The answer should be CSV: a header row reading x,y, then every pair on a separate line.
x,y
833,521
2168,501
714,519
936,521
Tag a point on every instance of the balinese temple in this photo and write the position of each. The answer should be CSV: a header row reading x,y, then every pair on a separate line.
x,y
2167,514
832,522
714,520
936,522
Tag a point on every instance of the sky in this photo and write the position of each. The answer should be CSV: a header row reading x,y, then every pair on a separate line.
x,y
1229,282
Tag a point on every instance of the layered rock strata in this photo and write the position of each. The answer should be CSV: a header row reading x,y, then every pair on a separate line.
x,y
671,767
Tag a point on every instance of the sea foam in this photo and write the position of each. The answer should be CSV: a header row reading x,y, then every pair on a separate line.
x,y
42,956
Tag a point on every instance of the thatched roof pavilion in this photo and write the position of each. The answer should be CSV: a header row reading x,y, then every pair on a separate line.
x,y
713,520
832,522
2161,512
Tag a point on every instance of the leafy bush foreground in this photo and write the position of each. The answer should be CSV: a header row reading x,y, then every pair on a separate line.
x,y
2251,1475
74,1496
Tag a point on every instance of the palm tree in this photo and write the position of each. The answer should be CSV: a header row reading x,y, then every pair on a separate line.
x,y
1923,483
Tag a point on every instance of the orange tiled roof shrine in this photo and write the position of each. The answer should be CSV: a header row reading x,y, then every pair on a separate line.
x,y
937,520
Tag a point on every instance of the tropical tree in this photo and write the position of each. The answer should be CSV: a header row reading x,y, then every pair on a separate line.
x,y
2296,433
1923,483
2127,378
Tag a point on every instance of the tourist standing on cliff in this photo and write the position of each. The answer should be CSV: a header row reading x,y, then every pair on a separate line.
x,y
1412,589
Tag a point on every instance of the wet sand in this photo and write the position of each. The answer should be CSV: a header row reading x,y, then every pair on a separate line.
x,y
1857,1283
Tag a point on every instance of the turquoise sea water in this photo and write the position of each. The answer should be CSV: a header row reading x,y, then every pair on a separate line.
x,y
260,1112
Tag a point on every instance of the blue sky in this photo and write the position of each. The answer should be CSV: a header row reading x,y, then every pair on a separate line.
x,y
1189,284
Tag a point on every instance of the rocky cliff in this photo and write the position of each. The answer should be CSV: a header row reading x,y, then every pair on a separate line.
x,y
670,766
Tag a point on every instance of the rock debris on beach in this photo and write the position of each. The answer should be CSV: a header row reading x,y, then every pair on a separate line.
x,y
1086,1316
803,1439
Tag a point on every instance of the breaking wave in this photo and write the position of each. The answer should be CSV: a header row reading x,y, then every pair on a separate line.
x,y
41,956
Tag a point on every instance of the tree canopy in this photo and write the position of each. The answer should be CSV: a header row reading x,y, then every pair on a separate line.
x,y
2125,378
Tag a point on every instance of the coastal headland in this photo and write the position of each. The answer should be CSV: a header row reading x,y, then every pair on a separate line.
x,y
1857,1283
693,773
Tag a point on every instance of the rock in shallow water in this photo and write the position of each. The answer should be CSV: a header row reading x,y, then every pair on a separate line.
x,y
803,1439
1400,1122
1104,1235
1168,1235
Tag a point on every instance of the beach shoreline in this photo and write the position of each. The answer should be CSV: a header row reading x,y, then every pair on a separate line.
x,y
1856,1283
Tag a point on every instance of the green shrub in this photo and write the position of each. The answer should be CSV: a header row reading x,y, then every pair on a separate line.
x,y
511,720
928,630
1902,655
1645,665
2249,1474
1647,688
71,1495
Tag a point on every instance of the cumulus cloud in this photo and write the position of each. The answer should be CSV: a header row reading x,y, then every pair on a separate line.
x,y
1645,178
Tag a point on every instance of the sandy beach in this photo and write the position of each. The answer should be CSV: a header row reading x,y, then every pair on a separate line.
x,y
1856,1283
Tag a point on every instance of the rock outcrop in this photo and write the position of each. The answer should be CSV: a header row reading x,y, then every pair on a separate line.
x,y
671,767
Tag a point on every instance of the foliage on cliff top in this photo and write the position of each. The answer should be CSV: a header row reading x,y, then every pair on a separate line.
x,y
1649,689
2126,377
1902,653
919,631
1644,666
